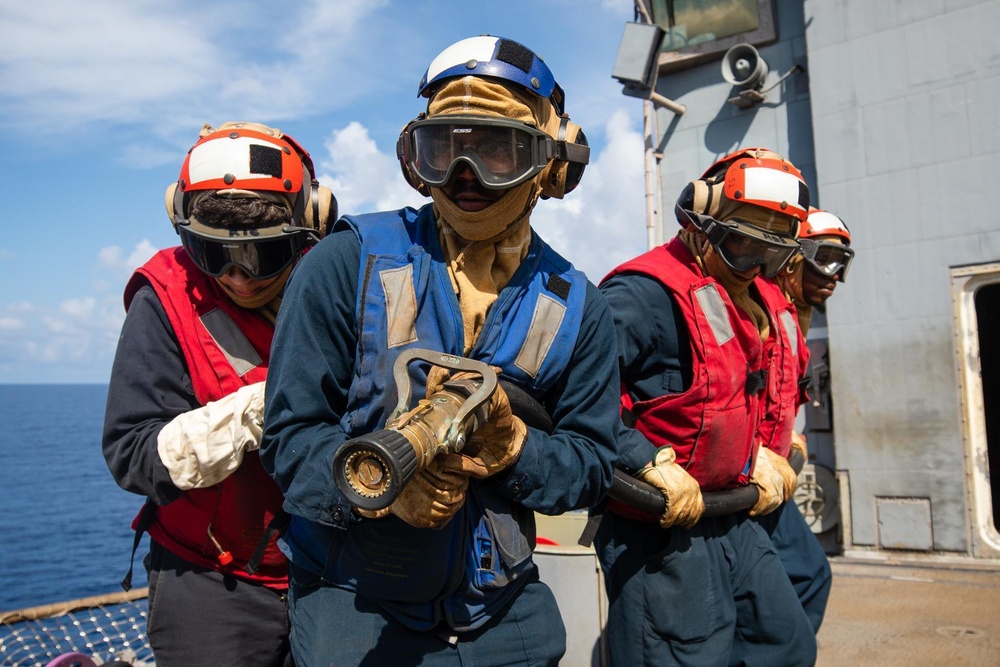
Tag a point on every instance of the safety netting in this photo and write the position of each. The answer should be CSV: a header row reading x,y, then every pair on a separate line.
x,y
106,629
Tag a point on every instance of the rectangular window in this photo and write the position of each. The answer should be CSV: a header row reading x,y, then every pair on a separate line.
x,y
700,30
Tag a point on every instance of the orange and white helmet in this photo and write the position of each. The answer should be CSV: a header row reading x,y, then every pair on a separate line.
x,y
249,160
762,178
824,223
824,241
750,204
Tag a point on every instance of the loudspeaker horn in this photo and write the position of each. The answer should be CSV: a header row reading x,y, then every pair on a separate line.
x,y
743,66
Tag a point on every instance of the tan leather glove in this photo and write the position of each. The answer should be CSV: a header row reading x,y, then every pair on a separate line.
x,y
201,447
775,480
684,504
435,494
799,443
496,444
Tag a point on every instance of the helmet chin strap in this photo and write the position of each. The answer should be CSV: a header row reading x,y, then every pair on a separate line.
x,y
790,281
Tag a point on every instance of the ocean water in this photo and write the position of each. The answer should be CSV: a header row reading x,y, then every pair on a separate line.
x,y
64,523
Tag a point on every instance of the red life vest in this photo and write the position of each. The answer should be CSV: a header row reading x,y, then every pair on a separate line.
x,y
712,426
225,347
787,355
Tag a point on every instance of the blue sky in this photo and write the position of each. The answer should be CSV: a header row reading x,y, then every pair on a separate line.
x,y
101,100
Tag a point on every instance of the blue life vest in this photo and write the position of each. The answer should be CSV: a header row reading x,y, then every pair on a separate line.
x,y
466,572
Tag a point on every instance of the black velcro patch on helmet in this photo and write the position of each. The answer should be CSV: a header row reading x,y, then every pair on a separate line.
x,y
515,54
558,286
265,160
803,196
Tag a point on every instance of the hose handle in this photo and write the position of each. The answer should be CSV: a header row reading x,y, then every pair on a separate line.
x,y
478,398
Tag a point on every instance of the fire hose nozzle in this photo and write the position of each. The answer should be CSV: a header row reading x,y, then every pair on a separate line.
x,y
371,470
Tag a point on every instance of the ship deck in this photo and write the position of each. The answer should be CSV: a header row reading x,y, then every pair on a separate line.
x,y
910,612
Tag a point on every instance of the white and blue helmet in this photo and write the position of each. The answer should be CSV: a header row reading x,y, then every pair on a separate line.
x,y
498,58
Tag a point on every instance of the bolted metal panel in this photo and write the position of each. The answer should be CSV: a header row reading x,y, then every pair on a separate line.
x,y
905,523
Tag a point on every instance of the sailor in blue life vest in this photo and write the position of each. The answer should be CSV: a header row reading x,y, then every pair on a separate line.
x,y
446,576
699,342
186,398
807,281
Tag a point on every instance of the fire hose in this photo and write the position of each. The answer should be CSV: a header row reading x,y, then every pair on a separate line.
x,y
371,470
632,491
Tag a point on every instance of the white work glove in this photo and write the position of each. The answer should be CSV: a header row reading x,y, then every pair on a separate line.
x,y
202,447
684,504
774,479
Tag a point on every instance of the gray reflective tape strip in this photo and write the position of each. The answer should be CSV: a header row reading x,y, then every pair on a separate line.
x,y
400,305
788,321
715,312
545,323
238,350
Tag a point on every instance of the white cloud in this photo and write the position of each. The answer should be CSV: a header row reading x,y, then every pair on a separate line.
x,y
76,338
155,69
145,156
78,308
362,177
114,260
602,222
72,62
328,23
79,333
21,308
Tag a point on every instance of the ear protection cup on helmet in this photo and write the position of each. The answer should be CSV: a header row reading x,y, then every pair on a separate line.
x,y
319,205
321,210
178,204
169,200
408,176
702,196
565,171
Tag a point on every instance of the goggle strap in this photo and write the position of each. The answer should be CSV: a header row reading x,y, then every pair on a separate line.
x,y
568,152
711,227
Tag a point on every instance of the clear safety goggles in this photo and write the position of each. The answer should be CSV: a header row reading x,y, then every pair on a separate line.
x,y
827,257
260,259
743,246
501,152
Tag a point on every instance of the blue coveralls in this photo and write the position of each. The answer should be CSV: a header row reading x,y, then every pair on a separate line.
x,y
403,590
801,554
803,558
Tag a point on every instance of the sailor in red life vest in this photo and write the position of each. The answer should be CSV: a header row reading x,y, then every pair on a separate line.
x,y
698,339
811,276
807,281
186,397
